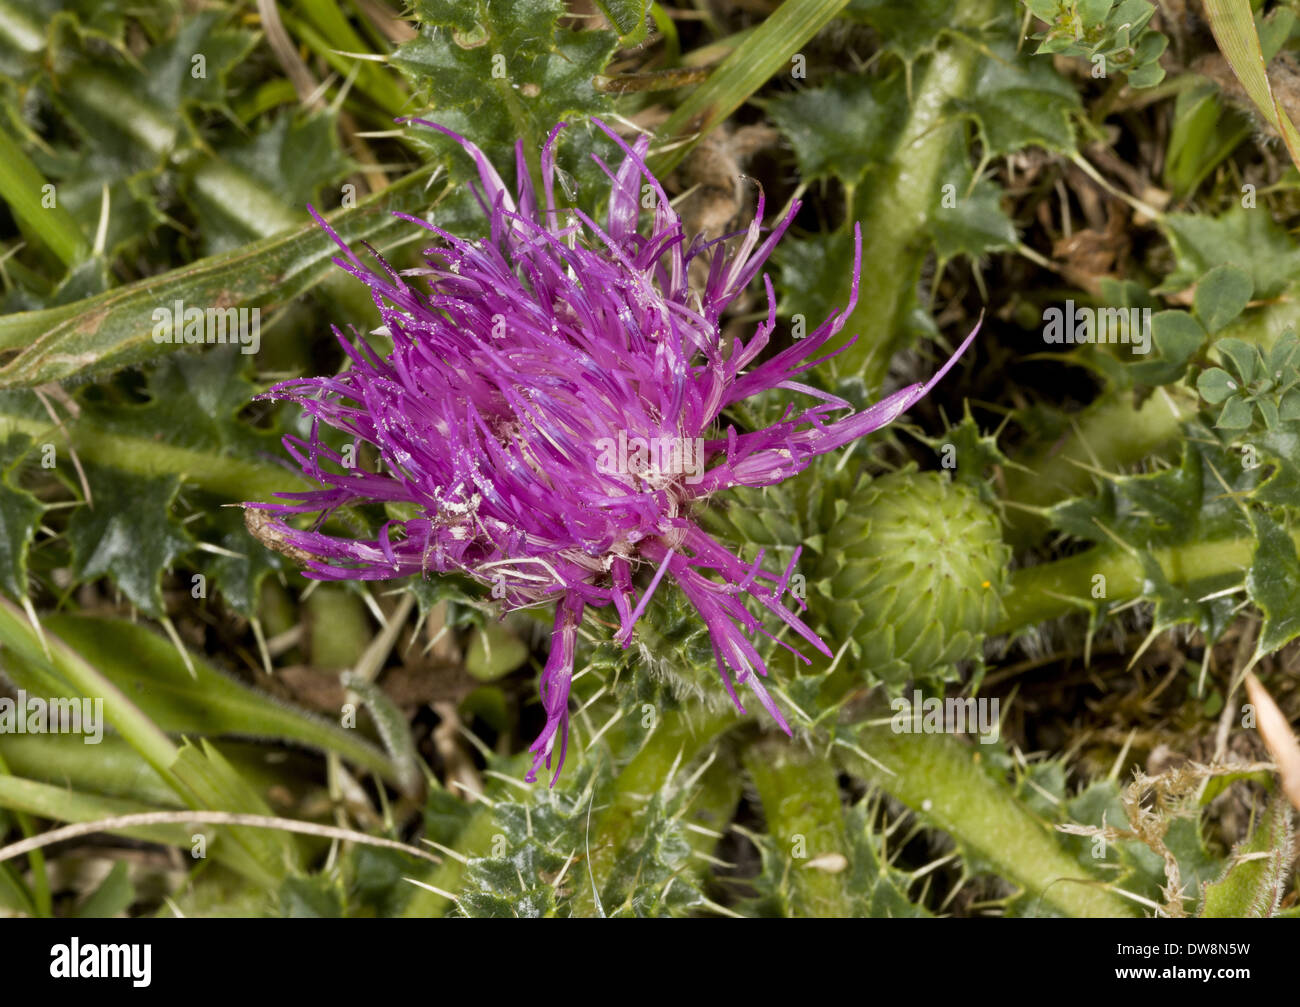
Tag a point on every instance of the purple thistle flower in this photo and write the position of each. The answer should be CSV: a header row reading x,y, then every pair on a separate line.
x,y
515,373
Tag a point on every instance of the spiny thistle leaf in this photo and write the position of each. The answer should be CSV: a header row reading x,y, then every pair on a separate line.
x,y
131,535
505,71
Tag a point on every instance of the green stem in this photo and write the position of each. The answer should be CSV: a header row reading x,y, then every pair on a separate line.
x,y
229,477
676,742
19,30
945,783
1052,590
115,329
895,206
801,802
713,805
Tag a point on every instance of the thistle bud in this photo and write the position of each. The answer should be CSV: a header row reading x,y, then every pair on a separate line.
x,y
912,573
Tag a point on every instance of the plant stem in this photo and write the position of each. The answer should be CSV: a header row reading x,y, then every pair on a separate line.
x,y
40,891
800,792
225,476
676,742
895,206
1051,590
944,782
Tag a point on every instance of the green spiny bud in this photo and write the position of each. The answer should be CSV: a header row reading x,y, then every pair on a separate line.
x,y
912,574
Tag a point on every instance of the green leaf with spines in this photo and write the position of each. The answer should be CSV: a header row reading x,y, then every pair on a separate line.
x,y
315,897
628,16
974,225
116,328
242,564
1273,583
130,535
1166,508
967,454
497,73
541,831
842,128
20,514
295,157
1018,101
907,27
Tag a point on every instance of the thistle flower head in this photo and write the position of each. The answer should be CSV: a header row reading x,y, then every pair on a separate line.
x,y
552,408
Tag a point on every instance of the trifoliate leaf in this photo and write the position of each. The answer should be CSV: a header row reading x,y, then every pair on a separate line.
x,y
1215,384
1176,335
1236,414
1241,357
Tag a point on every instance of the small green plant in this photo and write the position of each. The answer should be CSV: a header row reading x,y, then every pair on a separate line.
x,y
579,438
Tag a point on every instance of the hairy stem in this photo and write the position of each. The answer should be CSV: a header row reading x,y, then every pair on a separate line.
x,y
895,206
944,782
801,801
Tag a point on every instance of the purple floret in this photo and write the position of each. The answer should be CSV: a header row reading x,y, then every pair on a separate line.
x,y
526,370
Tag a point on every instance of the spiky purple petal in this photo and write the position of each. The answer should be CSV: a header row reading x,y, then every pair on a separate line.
x,y
516,362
